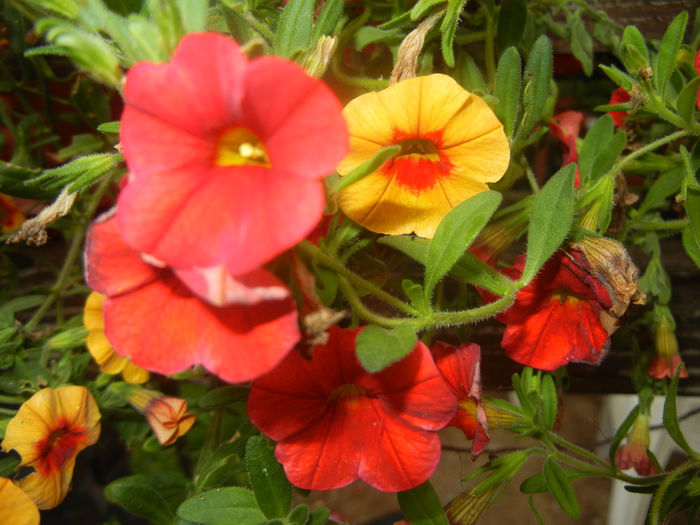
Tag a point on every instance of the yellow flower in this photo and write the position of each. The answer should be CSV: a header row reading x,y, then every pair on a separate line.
x,y
48,432
100,348
167,416
451,142
15,506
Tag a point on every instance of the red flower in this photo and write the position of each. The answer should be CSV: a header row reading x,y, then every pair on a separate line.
x,y
225,155
697,70
666,359
556,319
634,453
566,127
619,96
459,367
165,320
335,422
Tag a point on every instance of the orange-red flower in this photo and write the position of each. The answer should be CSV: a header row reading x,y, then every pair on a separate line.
x,y
619,96
48,432
335,422
225,155
460,368
566,127
167,416
10,215
634,453
556,319
697,70
165,319
100,348
451,142
16,507
666,359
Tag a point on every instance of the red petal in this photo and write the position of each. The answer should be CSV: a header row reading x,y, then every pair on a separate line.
x,y
111,266
296,116
459,366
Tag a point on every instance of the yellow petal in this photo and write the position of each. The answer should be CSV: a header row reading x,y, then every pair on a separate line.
x,y
49,490
16,507
93,318
134,374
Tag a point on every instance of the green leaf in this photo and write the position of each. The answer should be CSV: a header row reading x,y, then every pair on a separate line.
x,y
559,485
667,184
272,490
691,245
620,78
505,468
378,347
222,507
608,154
224,466
687,100
455,233
595,141
633,50
223,396
511,24
581,41
299,515
538,72
367,167
469,74
421,506
193,14
548,397
621,432
536,484
507,89
19,304
669,491
670,418
67,8
448,27
422,7
328,19
140,498
109,127
668,50
552,214
414,292
319,517
370,35
295,28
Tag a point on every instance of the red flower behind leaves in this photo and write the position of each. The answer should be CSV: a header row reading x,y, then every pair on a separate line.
x,y
566,127
619,96
697,70
166,320
225,155
335,422
460,368
556,319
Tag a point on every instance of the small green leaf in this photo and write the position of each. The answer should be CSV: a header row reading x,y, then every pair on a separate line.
x,y
507,89
272,490
552,214
470,269
414,292
223,396
370,35
633,50
328,19
691,245
421,506
620,78
222,506
295,28
559,485
319,517
511,24
469,74
608,154
581,41
596,139
538,72
455,233
536,484
687,100
109,127
621,432
422,7
670,418
67,8
193,14
668,50
367,167
299,515
140,498
448,27
378,347
692,208
667,184
505,468
548,397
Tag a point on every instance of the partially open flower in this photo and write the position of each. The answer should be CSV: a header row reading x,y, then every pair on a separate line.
x,y
167,416
100,348
666,359
335,422
16,508
634,453
48,432
451,142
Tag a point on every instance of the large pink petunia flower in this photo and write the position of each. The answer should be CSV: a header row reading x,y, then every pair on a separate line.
x,y
335,422
166,320
225,155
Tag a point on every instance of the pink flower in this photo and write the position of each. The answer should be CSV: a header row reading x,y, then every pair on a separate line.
x,y
634,453
225,155
165,319
335,422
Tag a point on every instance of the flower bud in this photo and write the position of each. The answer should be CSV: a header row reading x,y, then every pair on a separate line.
x,y
167,416
666,359
634,453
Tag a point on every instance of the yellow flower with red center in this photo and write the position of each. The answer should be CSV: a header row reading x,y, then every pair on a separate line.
x,y
100,348
48,432
451,142
15,506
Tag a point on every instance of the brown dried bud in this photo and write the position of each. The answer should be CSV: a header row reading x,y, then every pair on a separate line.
x,y
645,73
612,266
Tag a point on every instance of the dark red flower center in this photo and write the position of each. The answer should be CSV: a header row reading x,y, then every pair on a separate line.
x,y
239,146
58,447
348,392
420,163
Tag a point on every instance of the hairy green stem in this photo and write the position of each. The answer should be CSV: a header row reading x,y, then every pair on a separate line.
x,y
489,54
678,224
617,167
368,315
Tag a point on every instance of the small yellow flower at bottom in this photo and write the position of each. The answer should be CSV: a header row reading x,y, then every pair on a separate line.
x,y
100,348
16,507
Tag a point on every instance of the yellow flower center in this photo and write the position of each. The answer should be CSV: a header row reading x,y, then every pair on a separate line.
x,y
239,146
349,393
416,146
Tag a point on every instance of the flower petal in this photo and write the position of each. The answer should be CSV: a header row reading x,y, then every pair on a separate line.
x,y
16,507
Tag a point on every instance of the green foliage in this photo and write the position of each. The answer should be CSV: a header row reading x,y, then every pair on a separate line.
x,y
377,348
222,506
272,490
421,505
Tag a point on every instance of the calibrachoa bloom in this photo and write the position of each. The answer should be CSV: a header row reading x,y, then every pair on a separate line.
x,y
167,416
165,320
634,453
566,127
556,319
335,422
619,96
451,142
225,154
100,348
666,359
697,70
11,217
16,507
48,432
460,368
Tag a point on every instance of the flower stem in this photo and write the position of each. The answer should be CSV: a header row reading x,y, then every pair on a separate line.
x,y
441,319
364,312
489,55
617,167
74,251
665,225
563,443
